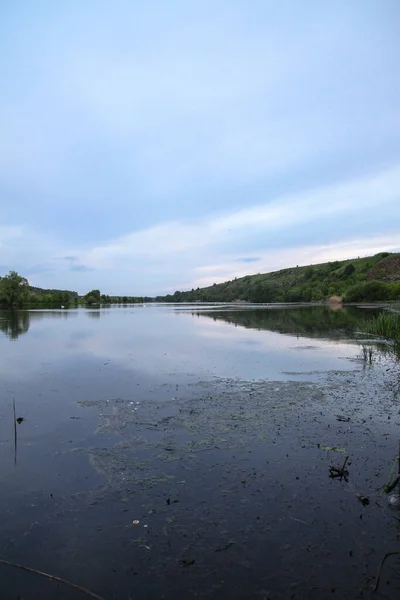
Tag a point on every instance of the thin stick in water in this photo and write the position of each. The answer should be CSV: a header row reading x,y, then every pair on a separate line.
x,y
53,578
15,433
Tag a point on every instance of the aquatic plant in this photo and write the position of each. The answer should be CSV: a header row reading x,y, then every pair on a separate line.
x,y
386,325
367,353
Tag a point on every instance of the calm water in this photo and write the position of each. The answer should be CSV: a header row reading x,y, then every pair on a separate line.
x,y
184,418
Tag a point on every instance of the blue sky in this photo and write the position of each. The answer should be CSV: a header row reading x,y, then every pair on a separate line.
x,y
153,146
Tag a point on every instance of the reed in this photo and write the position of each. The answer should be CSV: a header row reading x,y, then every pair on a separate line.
x,y
385,325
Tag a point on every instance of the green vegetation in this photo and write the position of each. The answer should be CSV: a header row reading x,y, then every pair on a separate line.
x,y
93,297
52,297
385,325
13,290
371,291
373,278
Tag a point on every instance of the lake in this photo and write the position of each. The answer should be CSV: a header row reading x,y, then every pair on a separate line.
x,y
184,451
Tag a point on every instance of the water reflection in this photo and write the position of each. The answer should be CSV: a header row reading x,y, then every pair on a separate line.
x,y
14,323
316,322
93,314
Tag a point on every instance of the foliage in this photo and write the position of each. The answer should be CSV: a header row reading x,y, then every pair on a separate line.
x,y
95,297
386,325
92,297
369,291
13,290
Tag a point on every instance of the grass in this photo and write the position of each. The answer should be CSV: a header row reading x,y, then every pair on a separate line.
x,y
386,325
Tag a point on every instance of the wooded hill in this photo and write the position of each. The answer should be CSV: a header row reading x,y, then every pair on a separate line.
x,y
369,279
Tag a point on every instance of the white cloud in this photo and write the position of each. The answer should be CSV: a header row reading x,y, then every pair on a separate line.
x,y
176,241
181,255
290,257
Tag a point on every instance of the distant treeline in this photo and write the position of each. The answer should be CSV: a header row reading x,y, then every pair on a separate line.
x,y
370,279
95,297
15,292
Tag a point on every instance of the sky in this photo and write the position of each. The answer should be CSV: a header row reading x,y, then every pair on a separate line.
x,y
152,146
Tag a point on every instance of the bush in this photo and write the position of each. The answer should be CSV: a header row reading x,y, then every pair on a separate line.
x,y
371,291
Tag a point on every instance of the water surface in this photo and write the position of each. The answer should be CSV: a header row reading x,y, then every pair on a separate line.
x,y
205,424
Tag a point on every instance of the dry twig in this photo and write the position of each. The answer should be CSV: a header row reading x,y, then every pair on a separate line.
x,y
378,576
53,578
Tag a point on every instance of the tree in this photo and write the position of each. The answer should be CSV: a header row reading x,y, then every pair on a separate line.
x,y
92,297
13,290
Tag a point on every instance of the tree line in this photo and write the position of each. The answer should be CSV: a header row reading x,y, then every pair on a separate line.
x,y
16,292
94,297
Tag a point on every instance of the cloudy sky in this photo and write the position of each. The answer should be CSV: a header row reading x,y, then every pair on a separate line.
x,y
153,146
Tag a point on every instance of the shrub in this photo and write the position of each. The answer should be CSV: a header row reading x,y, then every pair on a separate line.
x,y
371,291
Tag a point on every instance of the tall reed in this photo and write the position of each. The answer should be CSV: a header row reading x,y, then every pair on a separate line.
x,y
386,325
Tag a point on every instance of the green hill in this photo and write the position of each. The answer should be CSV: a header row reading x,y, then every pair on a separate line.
x,y
372,278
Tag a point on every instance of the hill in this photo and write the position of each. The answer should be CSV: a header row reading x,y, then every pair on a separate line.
x,y
371,278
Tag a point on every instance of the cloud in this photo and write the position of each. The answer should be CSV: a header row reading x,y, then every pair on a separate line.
x,y
158,148
297,255
69,258
80,268
191,253
225,233
249,259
